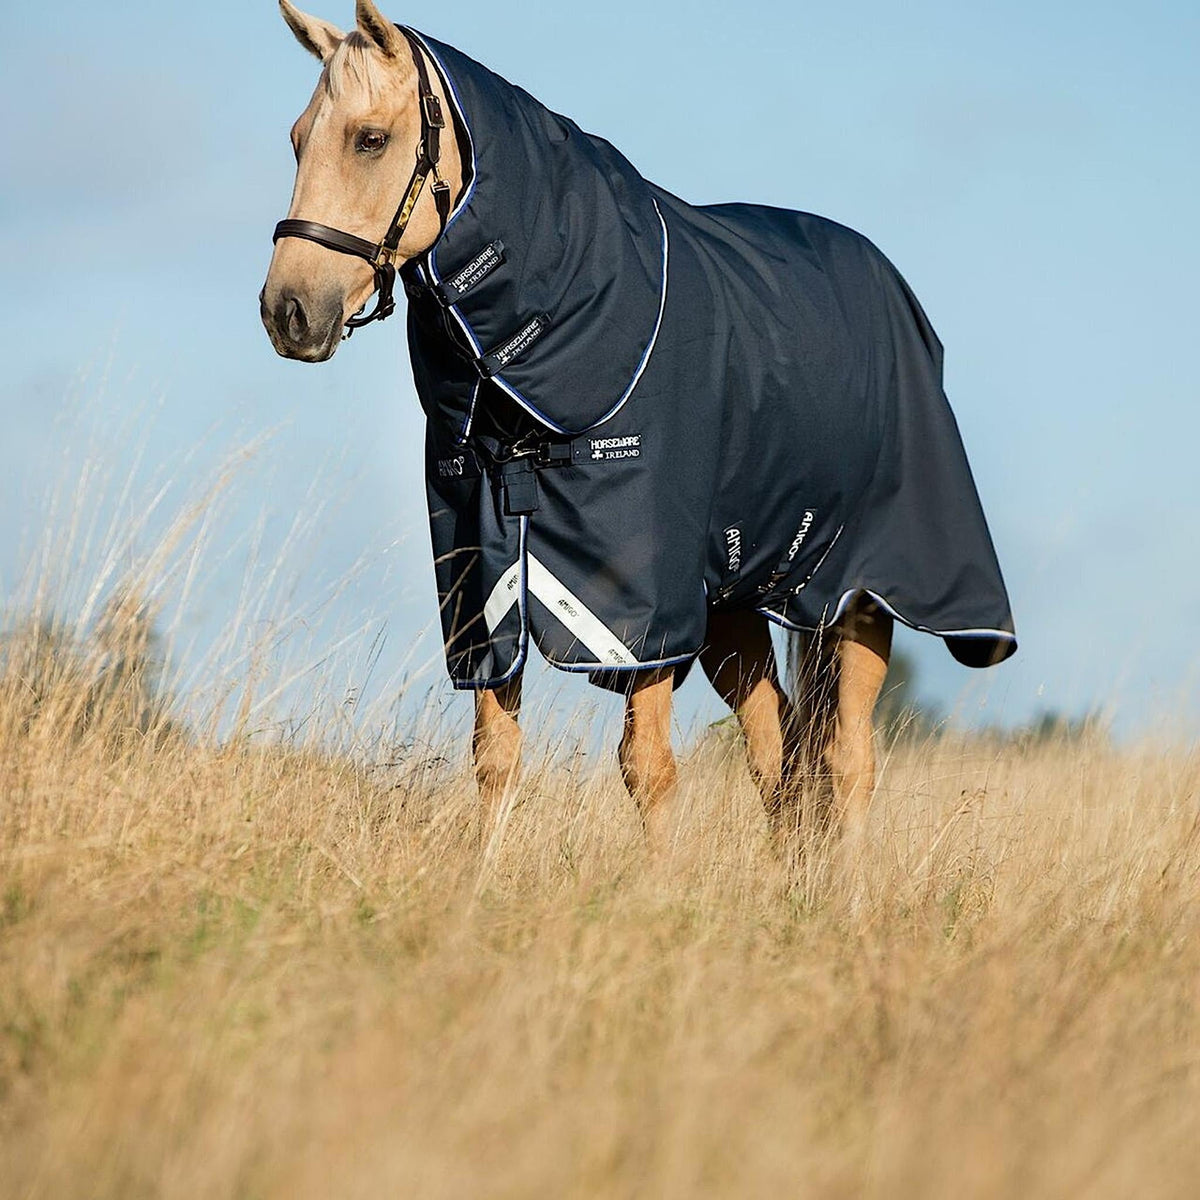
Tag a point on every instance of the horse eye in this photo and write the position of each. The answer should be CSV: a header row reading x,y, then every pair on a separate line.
x,y
371,141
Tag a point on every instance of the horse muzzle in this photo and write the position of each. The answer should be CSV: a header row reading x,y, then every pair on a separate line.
x,y
302,327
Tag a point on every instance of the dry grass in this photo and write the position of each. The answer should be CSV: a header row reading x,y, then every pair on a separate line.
x,y
265,971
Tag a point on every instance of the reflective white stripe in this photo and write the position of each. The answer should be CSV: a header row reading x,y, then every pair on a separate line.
x,y
504,595
588,629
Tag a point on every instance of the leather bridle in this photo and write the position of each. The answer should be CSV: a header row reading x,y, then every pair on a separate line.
x,y
382,255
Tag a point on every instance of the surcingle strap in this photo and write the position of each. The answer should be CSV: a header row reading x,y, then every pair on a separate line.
x,y
517,465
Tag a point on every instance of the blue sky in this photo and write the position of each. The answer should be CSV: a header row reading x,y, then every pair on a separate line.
x,y
1032,169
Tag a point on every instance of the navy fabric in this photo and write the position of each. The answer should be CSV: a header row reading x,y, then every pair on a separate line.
x,y
638,410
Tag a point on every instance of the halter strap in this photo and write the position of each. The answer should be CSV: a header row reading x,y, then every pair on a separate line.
x,y
381,255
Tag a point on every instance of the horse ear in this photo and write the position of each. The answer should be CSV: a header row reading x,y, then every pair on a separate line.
x,y
378,28
316,36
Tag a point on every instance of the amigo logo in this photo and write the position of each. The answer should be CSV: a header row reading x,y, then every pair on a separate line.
x,y
733,549
801,534
608,449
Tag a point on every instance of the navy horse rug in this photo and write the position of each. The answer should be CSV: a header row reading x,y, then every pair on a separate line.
x,y
640,410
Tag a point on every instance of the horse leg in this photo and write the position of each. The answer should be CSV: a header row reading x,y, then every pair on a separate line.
x,y
838,676
497,748
647,761
739,660
864,646
814,669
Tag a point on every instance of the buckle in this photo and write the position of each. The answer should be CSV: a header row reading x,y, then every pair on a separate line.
x,y
552,454
433,111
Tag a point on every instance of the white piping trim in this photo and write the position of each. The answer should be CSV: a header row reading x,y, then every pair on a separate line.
x,y
452,92
849,595
1002,634
662,308
483,685
577,618
431,253
465,432
820,561
538,416
522,608
593,668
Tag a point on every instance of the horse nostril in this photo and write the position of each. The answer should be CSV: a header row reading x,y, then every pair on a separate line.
x,y
295,321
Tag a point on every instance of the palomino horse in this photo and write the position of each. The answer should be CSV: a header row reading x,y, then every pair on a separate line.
x,y
381,106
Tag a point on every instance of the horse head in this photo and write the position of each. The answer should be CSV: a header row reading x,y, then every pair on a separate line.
x,y
355,143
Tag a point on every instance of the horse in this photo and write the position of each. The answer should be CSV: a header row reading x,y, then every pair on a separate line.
x,y
626,396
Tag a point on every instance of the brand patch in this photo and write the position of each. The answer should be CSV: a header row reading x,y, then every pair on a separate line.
x,y
499,358
473,274
613,448
452,468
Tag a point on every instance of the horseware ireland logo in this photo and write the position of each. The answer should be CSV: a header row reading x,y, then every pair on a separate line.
x,y
607,449
475,272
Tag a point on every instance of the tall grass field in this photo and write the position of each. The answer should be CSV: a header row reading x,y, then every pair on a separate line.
x,y
237,964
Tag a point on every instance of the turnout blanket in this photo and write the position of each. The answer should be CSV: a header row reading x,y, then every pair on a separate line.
x,y
639,410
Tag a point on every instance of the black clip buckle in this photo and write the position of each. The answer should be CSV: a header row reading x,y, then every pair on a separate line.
x,y
552,454
433,112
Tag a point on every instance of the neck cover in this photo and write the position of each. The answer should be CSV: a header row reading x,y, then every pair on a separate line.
x,y
566,328
638,410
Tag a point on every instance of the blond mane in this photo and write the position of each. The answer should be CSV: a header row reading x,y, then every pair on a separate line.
x,y
356,62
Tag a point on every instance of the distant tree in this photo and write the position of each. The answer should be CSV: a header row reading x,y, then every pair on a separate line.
x,y
109,680
1051,726
128,685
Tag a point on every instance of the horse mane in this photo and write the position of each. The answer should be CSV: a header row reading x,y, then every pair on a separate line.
x,y
355,61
